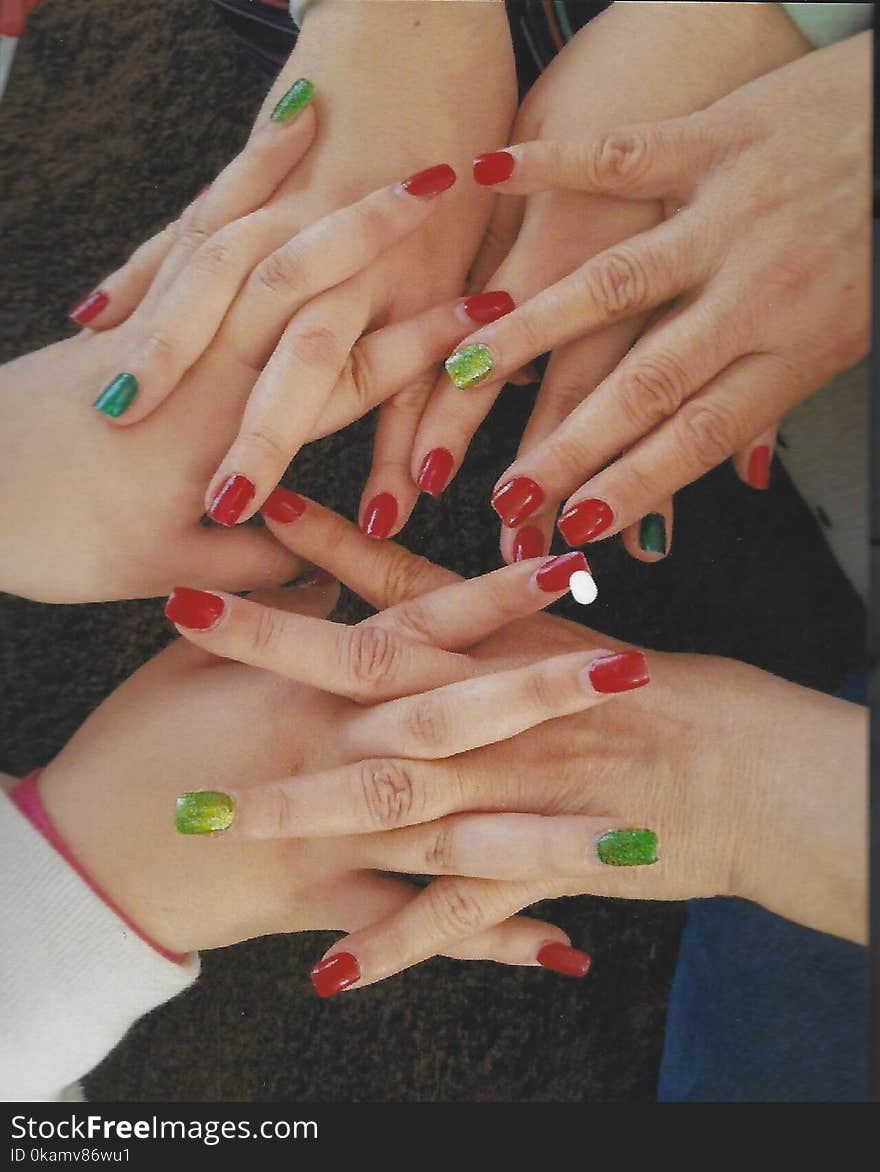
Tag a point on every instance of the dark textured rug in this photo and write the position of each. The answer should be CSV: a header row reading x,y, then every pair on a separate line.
x,y
115,115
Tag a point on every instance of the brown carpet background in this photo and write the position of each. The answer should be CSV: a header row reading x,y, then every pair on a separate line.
x,y
115,115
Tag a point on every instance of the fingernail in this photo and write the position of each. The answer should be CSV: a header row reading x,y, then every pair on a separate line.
x,y
198,610
231,499
117,396
554,576
494,167
88,309
469,365
528,543
380,515
758,474
203,812
336,973
430,182
483,308
516,500
435,471
628,848
296,99
619,673
584,521
652,533
283,505
562,958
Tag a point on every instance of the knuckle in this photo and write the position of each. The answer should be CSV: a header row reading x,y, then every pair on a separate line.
x,y
427,723
388,792
215,255
267,631
361,377
413,621
268,443
652,390
621,156
439,852
456,912
708,434
374,655
280,814
617,282
190,236
405,575
542,694
315,346
160,351
278,272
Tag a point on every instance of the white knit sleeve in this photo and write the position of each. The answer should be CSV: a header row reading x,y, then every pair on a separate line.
x,y
823,24
73,977
297,11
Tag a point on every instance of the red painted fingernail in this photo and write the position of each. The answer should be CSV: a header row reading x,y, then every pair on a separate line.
x,y
196,609
380,515
758,474
430,182
485,307
336,973
620,673
528,543
231,499
562,958
493,168
553,576
283,505
435,471
516,500
584,521
88,309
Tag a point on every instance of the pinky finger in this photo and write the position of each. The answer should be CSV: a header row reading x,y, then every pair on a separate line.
x,y
753,463
122,292
650,539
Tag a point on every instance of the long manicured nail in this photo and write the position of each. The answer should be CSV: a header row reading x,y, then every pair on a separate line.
x,y
469,365
430,182
203,812
494,167
562,958
584,521
197,610
295,100
758,474
483,308
555,575
283,505
435,471
88,309
528,543
516,500
336,973
652,533
117,396
619,673
628,848
231,499
380,515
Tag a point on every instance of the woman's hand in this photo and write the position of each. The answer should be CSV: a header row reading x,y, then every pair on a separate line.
x,y
452,84
716,779
630,63
764,252
187,722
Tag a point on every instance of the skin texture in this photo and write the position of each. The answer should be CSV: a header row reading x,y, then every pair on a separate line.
x,y
738,773
630,63
756,209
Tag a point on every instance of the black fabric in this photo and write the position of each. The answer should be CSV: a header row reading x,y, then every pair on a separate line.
x,y
115,115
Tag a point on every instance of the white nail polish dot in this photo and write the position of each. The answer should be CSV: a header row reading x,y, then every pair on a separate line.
x,y
583,587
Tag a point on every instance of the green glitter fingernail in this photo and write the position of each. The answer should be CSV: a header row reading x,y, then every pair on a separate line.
x,y
652,533
628,848
118,396
203,812
296,99
469,365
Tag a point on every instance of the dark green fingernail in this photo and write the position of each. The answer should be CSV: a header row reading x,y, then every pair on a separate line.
x,y
117,396
297,98
469,365
203,812
627,848
652,533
